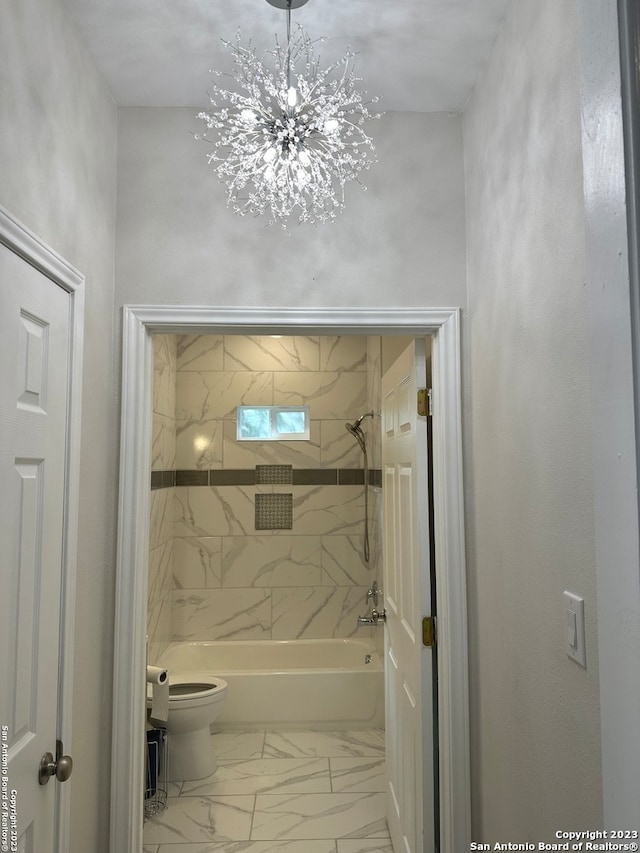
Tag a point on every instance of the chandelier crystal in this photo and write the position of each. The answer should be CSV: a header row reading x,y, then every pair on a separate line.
x,y
286,143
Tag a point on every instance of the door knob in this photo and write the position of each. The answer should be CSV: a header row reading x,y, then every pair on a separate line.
x,y
61,768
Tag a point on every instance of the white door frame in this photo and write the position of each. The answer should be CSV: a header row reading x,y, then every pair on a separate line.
x,y
17,237
612,324
139,323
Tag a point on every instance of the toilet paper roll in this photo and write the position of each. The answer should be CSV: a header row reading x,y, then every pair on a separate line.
x,y
159,680
156,675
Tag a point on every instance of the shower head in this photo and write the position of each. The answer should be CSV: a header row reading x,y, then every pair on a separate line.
x,y
355,430
356,424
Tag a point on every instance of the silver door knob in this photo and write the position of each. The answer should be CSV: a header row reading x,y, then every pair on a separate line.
x,y
61,768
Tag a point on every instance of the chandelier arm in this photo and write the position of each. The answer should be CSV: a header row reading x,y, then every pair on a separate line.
x,y
288,45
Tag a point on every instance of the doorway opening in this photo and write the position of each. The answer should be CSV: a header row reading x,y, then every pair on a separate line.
x,y
140,322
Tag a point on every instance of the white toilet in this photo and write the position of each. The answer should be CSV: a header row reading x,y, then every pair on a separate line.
x,y
195,700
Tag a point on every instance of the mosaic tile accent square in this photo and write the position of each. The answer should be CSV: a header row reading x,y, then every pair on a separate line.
x,y
274,512
274,475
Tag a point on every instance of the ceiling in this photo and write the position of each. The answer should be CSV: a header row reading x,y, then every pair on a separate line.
x,y
418,55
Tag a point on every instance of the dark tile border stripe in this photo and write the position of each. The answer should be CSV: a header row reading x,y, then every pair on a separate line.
x,y
232,477
315,476
192,478
163,479
247,477
351,477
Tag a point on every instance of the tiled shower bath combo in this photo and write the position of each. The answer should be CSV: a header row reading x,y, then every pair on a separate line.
x,y
254,541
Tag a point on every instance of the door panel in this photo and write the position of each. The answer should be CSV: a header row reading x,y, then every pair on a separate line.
x,y
34,347
408,673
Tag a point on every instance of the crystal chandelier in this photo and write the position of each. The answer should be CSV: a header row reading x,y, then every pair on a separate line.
x,y
289,141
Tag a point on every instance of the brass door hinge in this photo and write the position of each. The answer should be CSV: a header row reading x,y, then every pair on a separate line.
x,y
429,637
425,408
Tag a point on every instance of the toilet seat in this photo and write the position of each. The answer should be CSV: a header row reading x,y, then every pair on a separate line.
x,y
195,688
184,687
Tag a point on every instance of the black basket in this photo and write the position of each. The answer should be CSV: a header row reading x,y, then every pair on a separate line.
x,y
155,793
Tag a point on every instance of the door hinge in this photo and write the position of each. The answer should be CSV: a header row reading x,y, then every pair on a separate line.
x,y
425,405
429,637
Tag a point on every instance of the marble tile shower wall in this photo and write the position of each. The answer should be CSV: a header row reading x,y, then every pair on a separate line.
x,y
163,458
231,581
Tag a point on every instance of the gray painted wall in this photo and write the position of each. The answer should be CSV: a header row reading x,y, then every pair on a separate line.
x,y
535,713
57,149
399,243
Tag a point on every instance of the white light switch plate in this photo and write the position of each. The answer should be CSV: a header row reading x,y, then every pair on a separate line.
x,y
574,628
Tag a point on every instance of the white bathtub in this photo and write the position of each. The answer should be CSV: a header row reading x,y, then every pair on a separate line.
x,y
289,683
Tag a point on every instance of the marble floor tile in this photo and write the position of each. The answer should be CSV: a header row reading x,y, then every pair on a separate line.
x,y
238,745
358,774
264,775
324,846
300,816
201,819
354,744
362,845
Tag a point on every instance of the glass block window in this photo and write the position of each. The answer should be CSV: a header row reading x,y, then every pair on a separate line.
x,y
272,423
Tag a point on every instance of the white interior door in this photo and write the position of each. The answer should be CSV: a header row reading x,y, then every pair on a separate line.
x,y
407,592
34,386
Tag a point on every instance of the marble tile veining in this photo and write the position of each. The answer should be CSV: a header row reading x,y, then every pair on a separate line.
x,y
196,562
214,511
364,743
161,516
324,846
362,845
343,562
358,774
160,572
200,352
346,352
159,627
198,445
338,448
201,819
328,510
298,816
316,612
221,614
262,352
265,775
271,561
238,745
202,395
163,443
331,395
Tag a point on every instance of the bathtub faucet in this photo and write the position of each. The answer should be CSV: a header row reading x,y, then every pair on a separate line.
x,y
373,593
374,618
